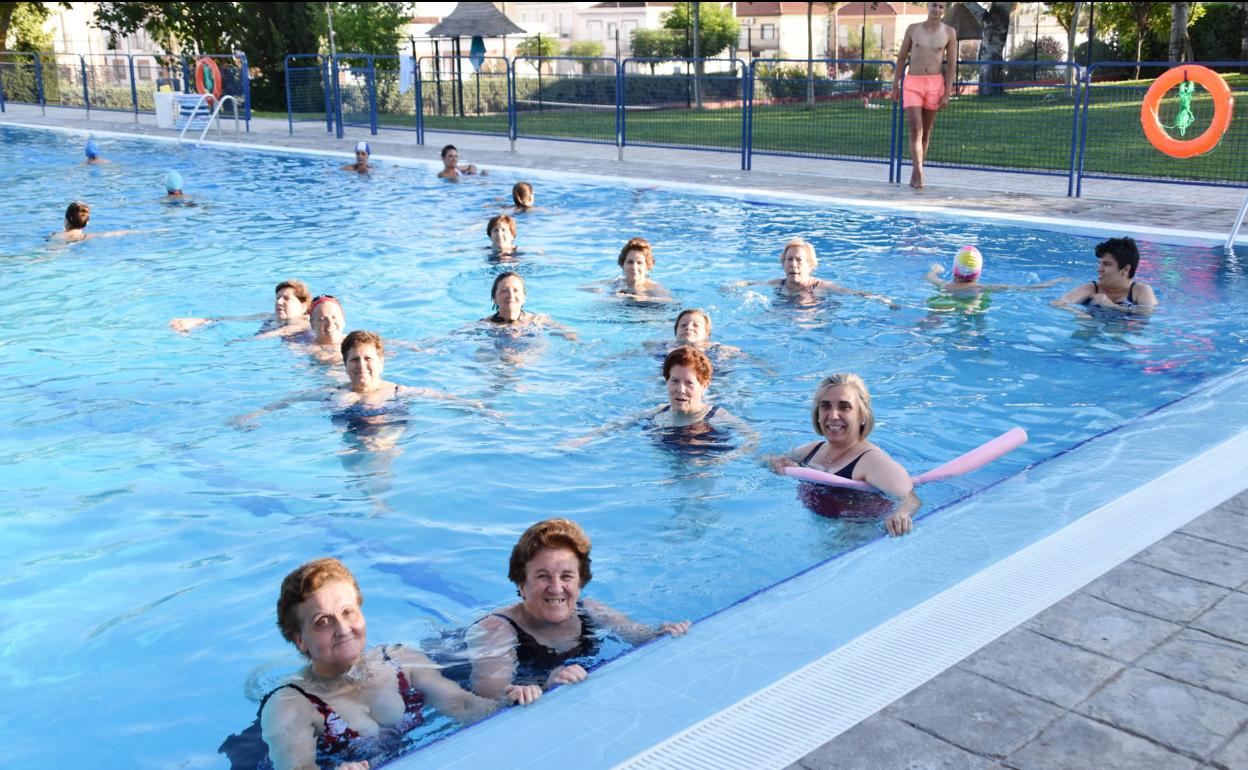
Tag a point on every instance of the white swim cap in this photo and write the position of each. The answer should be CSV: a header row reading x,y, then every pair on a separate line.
x,y
363,147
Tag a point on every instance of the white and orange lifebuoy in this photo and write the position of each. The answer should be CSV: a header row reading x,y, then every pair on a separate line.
x,y
1222,105
208,78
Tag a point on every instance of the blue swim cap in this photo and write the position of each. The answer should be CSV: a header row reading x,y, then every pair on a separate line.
x,y
92,149
173,182
364,148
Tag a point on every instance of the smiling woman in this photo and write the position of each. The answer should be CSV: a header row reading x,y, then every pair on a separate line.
x,y
550,635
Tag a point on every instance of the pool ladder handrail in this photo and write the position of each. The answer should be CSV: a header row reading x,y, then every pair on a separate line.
x,y
1239,221
214,117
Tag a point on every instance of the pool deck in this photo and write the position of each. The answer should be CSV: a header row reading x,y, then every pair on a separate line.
x,y
1146,667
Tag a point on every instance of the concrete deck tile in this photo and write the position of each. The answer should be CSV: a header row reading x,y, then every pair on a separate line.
x,y
1234,756
1099,626
1039,666
1075,742
1221,525
1203,661
1200,559
1176,715
1227,619
883,743
974,713
1237,504
1151,591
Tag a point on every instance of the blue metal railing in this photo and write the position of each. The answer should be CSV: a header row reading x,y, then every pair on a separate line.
x,y
21,78
1112,144
579,104
307,90
455,96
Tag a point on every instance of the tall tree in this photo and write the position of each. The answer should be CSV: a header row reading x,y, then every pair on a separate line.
x,y
1243,31
1180,43
994,21
1135,21
1067,15
717,27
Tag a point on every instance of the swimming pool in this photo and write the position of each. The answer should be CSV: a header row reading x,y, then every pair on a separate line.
x,y
146,536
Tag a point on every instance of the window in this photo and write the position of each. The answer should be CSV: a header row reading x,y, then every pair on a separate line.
x,y
593,29
768,32
565,24
144,71
630,27
611,30
120,71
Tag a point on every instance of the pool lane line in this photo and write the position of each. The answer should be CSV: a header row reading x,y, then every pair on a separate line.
x,y
1091,228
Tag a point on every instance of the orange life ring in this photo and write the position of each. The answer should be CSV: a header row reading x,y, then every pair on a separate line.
x,y
207,67
1222,105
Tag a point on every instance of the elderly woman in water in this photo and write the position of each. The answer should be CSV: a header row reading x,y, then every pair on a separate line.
x,y
351,703
550,635
799,262
510,317
636,261
842,414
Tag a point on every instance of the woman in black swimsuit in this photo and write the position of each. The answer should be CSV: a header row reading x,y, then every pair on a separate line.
x,y
1115,286
842,415
350,703
548,637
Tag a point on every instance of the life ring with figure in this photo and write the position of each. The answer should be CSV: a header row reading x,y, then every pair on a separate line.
x,y
1185,76
208,78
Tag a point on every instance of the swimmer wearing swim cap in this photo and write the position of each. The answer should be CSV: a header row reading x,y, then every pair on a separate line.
x,y
968,263
362,154
92,151
173,185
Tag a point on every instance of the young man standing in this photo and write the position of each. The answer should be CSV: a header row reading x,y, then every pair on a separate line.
x,y
927,45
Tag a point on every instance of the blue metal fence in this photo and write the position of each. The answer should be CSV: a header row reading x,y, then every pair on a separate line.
x,y
308,95
567,98
676,102
455,96
826,108
356,93
1112,145
21,78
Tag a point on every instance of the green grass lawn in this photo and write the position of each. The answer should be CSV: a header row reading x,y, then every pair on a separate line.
x,y
1027,129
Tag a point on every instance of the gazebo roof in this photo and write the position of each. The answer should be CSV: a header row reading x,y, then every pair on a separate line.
x,y
475,20
962,20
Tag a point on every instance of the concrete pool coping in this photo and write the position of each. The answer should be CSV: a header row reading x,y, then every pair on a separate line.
x,y
964,193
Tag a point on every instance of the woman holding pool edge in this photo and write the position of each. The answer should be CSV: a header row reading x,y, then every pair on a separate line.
x,y
538,640
842,414
351,702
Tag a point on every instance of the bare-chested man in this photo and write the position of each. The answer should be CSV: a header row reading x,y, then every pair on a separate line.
x,y
927,45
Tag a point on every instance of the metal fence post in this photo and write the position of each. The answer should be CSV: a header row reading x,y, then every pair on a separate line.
x,y
747,116
371,76
1074,134
418,86
622,101
86,91
290,116
188,82
513,113
134,90
337,100
1083,128
242,57
2,109
43,102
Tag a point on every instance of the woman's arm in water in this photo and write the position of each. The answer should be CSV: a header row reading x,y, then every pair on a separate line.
x,y
492,650
792,459
186,324
611,427
742,429
447,696
885,474
1025,286
836,288
1075,296
933,276
441,395
287,724
627,628
558,329
248,421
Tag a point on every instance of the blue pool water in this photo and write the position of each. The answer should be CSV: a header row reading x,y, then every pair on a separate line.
x,y
145,538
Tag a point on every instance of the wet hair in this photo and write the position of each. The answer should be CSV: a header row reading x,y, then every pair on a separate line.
x,y
361,337
1123,250
522,194
637,244
551,533
687,355
502,277
860,392
301,289
800,243
72,212
303,582
500,221
448,148
691,311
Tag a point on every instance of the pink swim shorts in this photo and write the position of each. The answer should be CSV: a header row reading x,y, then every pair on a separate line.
x,y
923,91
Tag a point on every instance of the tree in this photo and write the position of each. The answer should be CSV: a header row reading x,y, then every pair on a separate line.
x,y
1180,43
1135,24
657,44
273,31
537,47
1067,15
995,23
200,27
589,49
24,21
1243,31
717,27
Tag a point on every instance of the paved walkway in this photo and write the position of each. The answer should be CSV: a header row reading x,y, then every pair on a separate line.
x,y
1145,668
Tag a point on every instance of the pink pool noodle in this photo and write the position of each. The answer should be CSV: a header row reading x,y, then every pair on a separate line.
x,y
976,458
